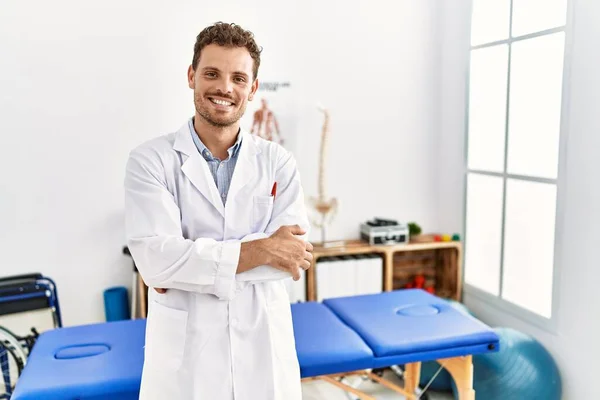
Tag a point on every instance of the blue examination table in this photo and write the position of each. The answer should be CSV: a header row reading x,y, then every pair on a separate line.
x,y
335,338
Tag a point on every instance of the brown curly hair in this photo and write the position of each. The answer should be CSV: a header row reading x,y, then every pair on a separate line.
x,y
230,35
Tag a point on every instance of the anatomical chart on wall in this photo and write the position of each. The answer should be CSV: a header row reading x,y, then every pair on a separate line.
x,y
270,114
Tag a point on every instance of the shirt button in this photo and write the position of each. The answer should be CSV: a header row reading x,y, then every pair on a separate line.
x,y
223,195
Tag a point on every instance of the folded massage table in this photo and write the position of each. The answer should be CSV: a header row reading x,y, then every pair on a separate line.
x,y
351,335
338,337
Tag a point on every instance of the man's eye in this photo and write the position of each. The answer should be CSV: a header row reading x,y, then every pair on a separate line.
x,y
240,79
211,74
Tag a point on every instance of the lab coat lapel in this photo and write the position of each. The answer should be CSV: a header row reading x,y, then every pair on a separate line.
x,y
195,168
246,167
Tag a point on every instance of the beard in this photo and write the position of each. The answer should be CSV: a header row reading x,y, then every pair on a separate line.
x,y
209,114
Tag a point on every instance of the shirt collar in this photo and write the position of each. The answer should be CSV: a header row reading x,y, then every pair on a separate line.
x,y
205,152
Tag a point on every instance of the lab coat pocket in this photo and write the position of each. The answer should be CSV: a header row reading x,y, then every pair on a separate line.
x,y
261,213
165,337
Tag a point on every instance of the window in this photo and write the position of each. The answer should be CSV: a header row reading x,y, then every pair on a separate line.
x,y
513,143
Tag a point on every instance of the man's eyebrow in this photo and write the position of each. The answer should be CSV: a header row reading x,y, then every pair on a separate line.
x,y
209,68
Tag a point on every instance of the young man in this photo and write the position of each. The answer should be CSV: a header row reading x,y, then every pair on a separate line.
x,y
216,222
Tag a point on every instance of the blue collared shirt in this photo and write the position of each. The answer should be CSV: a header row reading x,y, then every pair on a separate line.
x,y
221,170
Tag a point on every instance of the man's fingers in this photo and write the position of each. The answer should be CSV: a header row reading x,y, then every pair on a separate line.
x,y
305,265
296,230
308,256
309,246
296,273
160,290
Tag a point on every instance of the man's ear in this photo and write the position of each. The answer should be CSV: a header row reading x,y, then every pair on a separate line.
x,y
191,74
253,90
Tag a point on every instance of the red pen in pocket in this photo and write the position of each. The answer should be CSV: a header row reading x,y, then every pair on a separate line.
x,y
274,190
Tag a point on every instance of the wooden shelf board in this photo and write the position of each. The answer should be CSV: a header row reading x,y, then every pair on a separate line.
x,y
362,247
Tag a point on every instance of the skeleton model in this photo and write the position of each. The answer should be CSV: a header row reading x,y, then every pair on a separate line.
x,y
265,123
326,208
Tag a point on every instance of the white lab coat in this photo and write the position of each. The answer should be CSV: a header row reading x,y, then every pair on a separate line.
x,y
214,335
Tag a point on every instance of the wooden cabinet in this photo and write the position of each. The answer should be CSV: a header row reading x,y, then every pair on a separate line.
x,y
439,263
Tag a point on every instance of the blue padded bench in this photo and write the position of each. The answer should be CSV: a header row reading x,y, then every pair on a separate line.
x,y
342,336
89,362
358,333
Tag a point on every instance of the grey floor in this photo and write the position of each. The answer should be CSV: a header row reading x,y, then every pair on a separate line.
x,y
320,390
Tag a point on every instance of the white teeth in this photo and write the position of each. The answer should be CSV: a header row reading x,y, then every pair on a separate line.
x,y
221,102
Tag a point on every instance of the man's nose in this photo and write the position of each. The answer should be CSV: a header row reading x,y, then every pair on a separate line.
x,y
225,86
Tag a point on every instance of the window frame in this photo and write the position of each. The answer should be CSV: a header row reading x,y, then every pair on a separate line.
x,y
498,302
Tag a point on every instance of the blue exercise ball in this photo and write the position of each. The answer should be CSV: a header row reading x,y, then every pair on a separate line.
x,y
443,381
521,369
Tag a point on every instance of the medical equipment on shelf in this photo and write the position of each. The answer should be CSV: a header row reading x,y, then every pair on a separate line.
x,y
384,231
337,337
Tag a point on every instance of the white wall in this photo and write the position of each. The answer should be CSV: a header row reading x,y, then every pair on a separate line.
x,y
574,344
81,83
374,65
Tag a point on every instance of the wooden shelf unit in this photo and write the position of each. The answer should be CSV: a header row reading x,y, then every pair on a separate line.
x,y
439,262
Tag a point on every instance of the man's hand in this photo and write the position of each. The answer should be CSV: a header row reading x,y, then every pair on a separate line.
x,y
285,251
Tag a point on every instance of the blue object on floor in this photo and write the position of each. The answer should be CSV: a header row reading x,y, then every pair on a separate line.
x,y
443,381
116,304
522,369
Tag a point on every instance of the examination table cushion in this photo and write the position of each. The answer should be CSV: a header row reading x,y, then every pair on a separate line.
x,y
100,361
407,325
325,345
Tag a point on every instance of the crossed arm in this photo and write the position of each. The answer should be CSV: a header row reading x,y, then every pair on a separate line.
x,y
167,260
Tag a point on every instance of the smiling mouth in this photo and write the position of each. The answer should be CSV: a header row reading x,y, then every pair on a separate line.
x,y
220,102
